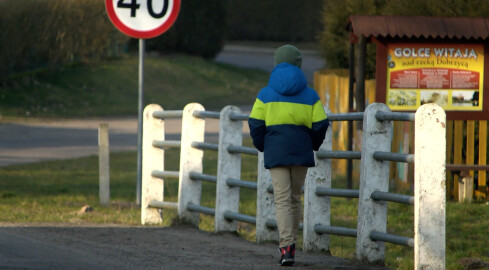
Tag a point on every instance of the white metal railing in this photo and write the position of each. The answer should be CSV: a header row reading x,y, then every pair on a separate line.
x,y
429,196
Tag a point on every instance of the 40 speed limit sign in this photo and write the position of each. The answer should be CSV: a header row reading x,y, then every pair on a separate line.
x,y
143,18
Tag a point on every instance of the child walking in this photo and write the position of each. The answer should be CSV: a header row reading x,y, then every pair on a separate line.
x,y
287,123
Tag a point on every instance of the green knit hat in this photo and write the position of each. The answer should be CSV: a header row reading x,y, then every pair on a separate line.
x,y
288,54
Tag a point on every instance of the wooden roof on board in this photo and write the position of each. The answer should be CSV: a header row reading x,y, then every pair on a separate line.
x,y
419,27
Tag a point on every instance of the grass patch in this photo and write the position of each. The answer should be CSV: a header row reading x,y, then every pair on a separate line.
x,y
54,191
110,87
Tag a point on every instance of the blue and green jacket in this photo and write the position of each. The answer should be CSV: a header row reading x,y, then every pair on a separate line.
x,y
287,121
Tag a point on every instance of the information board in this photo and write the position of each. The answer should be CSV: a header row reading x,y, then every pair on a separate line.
x,y
450,75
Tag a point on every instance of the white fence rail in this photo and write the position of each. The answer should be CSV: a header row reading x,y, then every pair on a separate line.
x,y
428,200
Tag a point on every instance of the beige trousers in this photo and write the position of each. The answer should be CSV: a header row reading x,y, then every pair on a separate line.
x,y
287,184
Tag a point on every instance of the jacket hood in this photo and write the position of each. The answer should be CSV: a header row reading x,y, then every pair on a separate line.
x,y
287,79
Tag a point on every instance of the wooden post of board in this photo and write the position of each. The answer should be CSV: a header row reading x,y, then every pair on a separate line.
x,y
104,167
360,77
351,94
481,190
450,186
457,153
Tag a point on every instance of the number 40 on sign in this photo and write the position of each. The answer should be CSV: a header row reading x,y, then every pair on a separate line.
x,y
143,18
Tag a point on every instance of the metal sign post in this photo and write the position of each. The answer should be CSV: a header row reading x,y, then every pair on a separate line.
x,y
140,119
142,19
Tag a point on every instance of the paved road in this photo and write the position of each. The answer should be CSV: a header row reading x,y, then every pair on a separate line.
x,y
262,58
31,141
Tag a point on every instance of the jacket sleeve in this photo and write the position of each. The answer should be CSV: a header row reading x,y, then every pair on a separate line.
x,y
320,125
257,125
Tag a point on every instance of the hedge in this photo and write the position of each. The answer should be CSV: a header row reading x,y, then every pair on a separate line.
x,y
49,33
199,30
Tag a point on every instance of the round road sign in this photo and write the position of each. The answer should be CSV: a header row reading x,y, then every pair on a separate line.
x,y
143,18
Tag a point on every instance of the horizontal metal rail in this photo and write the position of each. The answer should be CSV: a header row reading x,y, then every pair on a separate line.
x,y
270,189
394,116
392,197
240,183
205,146
323,154
391,238
168,114
160,204
242,149
239,116
396,157
337,192
466,167
354,116
207,114
164,174
240,217
323,229
203,177
272,224
166,144
201,209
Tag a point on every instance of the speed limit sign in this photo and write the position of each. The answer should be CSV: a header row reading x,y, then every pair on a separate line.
x,y
143,18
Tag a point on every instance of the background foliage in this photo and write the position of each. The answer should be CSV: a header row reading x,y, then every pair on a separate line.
x,y
38,34
51,33
334,39
199,30
41,33
273,20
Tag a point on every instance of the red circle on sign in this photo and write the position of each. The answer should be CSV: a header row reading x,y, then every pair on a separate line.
x,y
142,34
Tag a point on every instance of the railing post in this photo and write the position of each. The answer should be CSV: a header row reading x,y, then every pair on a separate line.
x,y
374,176
189,191
317,209
265,204
104,164
153,159
228,166
430,187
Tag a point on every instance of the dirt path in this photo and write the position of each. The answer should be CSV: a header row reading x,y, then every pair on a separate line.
x,y
94,247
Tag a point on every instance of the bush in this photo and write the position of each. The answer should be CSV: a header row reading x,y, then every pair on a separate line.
x,y
335,38
199,30
47,33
